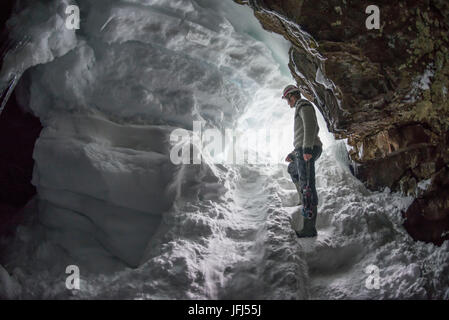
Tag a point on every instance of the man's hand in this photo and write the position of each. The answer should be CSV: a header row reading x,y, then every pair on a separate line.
x,y
288,159
307,156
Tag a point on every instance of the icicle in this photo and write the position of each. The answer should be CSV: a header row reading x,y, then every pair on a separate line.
x,y
6,93
7,88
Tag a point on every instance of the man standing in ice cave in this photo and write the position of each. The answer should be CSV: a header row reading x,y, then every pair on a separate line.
x,y
308,148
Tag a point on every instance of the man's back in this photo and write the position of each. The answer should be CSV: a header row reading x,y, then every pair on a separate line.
x,y
306,126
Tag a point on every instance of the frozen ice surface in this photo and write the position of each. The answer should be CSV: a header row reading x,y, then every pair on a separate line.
x,y
37,36
110,200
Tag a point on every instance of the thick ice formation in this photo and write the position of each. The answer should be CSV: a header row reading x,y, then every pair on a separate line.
x,y
110,199
38,35
108,100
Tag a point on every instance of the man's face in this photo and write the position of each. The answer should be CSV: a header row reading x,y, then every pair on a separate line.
x,y
291,100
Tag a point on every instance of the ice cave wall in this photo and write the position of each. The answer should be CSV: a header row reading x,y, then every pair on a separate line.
x,y
108,96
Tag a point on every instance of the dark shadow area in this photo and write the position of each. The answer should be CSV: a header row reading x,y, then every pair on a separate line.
x,y
18,133
5,13
19,130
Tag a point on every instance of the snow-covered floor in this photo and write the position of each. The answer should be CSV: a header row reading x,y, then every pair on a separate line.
x,y
242,246
206,231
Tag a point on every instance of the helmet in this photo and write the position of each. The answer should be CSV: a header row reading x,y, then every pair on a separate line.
x,y
289,89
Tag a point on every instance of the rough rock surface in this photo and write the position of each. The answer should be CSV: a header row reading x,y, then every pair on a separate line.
x,y
385,90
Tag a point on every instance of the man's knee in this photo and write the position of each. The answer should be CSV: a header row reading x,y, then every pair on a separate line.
x,y
293,171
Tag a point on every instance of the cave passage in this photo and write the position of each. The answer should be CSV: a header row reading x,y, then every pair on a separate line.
x,y
18,133
139,227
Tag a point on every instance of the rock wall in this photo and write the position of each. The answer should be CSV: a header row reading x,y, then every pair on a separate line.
x,y
385,90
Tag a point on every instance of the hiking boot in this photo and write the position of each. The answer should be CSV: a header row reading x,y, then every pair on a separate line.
x,y
309,229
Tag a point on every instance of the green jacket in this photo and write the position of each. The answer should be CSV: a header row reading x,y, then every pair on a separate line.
x,y
306,127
